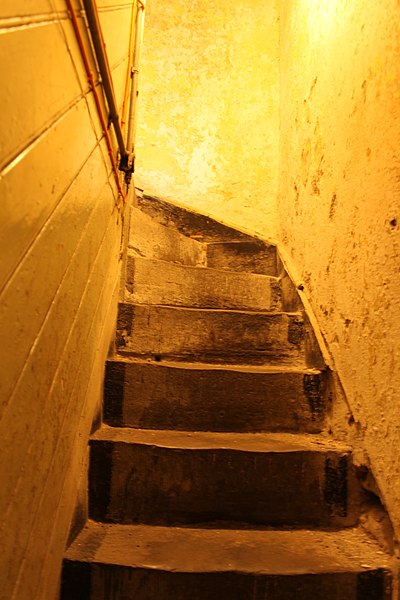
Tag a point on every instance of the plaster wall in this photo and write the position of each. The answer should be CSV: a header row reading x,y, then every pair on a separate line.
x,y
339,201
208,113
60,236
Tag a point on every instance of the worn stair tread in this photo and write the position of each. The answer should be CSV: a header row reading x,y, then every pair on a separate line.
x,y
214,366
246,256
148,238
203,268
241,442
189,550
150,281
181,333
189,309
190,223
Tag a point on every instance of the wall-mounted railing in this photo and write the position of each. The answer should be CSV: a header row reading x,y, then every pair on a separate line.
x,y
138,39
126,143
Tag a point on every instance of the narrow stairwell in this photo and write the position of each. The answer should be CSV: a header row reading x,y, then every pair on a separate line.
x,y
212,476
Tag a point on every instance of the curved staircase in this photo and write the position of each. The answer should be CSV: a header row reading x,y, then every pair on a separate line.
x,y
212,476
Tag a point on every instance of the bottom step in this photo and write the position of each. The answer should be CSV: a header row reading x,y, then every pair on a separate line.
x,y
138,562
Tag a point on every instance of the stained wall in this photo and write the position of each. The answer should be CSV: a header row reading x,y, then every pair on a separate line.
x,y
60,237
208,114
339,201
208,138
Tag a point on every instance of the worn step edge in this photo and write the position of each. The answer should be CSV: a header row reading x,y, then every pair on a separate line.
x,y
262,313
149,238
293,320
239,311
203,268
208,550
258,359
205,440
241,367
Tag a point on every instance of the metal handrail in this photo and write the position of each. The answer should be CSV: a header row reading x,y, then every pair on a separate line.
x,y
106,78
126,150
135,76
92,84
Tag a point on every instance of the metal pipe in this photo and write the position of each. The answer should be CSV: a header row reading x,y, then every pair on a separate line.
x,y
101,57
128,77
135,76
92,83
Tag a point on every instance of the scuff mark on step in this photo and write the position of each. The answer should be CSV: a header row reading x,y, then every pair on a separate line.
x,y
101,462
114,386
295,330
335,488
371,585
314,388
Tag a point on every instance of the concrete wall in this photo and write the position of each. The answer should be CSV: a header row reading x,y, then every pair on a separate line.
x,y
60,235
209,107
339,202
60,226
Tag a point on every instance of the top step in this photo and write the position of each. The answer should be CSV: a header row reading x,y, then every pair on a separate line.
x,y
163,231
189,223
150,239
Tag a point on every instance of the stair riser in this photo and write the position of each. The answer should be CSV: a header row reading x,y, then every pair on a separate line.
x,y
210,335
84,581
155,396
251,257
133,483
152,282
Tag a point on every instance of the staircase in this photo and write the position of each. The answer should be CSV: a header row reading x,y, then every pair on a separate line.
x,y
212,476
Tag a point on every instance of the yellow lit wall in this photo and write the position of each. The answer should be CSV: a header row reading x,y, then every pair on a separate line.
x,y
209,108
60,235
208,138
339,202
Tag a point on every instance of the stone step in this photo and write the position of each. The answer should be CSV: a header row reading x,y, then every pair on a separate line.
x,y
139,562
200,397
253,256
164,283
148,238
171,477
210,335
189,223
226,247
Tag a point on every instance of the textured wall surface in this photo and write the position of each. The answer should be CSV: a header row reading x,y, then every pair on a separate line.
x,y
60,235
209,107
340,201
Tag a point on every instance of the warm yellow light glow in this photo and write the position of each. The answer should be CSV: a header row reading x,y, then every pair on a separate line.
x,y
209,108
324,9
